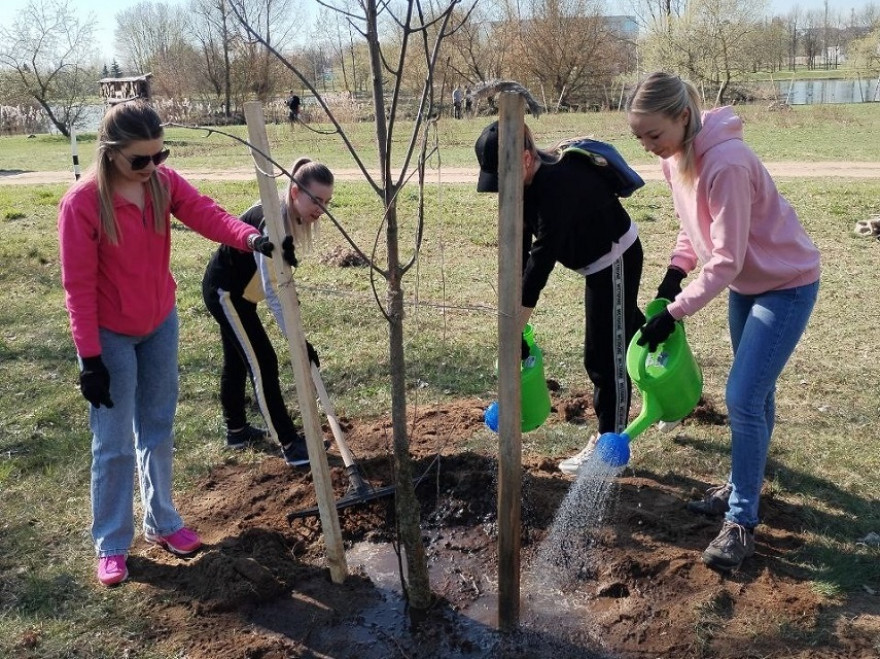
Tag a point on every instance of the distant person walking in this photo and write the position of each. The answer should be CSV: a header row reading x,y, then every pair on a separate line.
x,y
750,242
468,101
115,233
292,103
457,98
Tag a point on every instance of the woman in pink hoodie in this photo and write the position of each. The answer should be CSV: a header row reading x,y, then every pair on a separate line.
x,y
748,241
115,238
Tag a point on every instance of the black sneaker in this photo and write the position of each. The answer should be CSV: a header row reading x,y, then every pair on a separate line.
x,y
734,544
714,502
295,454
241,439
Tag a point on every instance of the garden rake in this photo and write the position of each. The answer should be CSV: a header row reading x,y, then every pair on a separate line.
x,y
359,490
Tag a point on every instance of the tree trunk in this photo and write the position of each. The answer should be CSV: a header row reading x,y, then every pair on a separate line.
x,y
60,125
417,584
418,587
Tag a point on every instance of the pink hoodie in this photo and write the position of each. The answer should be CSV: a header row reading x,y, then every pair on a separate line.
x,y
128,288
734,221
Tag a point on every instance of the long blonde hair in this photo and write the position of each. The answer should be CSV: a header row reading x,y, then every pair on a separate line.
x,y
123,124
304,171
669,95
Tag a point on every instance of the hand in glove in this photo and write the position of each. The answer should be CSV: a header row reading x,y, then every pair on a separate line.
x,y
313,354
670,287
94,382
261,244
657,330
288,252
524,350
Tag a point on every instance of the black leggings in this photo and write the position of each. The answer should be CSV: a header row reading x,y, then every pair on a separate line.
x,y
248,352
603,347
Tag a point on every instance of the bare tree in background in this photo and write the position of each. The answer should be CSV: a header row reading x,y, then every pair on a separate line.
x,y
811,37
710,43
563,47
214,30
148,34
274,21
657,15
51,54
421,30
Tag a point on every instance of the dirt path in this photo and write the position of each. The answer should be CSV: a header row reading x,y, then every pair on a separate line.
x,y
650,172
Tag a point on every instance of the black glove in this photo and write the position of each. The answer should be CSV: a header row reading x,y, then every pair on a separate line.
x,y
288,252
670,287
657,330
313,354
94,382
524,350
263,245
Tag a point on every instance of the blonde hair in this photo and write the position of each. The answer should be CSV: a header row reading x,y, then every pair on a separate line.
x,y
124,123
304,171
670,96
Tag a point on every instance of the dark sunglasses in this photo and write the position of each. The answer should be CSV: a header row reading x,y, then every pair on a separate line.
x,y
139,162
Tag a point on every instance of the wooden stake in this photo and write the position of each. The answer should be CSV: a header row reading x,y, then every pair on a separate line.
x,y
510,228
296,340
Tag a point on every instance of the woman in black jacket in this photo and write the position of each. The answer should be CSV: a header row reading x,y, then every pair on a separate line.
x,y
572,216
232,286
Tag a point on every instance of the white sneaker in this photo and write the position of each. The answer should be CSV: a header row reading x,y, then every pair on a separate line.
x,y
572,465
667,426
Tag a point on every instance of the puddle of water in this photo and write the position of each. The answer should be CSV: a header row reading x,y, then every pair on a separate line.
x,y
380,563
550,595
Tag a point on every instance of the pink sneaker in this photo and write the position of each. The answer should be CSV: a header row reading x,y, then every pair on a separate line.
x,y
182,542
112,569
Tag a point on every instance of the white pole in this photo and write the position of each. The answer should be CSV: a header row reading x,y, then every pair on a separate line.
x,y
73,152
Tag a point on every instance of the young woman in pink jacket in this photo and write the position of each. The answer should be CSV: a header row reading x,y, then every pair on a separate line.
x,y
749,242
115,242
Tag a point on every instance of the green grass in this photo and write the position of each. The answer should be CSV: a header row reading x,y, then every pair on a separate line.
x,y
805,133
824,464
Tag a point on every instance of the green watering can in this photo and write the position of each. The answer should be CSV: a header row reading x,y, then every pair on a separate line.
x,y
669,379
534,395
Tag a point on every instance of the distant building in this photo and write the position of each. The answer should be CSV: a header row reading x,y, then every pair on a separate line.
x,y
625,27
117,90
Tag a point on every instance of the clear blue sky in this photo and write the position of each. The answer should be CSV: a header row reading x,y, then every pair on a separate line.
x,y
105,12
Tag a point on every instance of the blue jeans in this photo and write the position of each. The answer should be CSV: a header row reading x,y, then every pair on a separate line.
x,y
764,330
136,433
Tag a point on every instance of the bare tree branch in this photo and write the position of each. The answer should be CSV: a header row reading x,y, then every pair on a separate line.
x,y
283,172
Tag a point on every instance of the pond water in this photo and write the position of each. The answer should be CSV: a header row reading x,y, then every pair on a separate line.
x,y
832,90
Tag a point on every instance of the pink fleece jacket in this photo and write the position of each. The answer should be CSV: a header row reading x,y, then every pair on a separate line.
x,y
734,221
128,288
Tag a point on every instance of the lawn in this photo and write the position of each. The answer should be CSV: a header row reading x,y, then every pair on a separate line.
x,y
824,450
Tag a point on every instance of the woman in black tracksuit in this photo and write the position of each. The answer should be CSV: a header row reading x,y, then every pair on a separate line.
x,y
572,216
231,288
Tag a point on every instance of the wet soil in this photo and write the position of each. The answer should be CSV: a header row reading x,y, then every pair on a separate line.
x,y
259,588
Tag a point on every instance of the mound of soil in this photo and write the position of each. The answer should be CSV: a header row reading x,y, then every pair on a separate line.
x,y
259,590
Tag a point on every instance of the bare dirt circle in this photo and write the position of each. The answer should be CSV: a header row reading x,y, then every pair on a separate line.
x,y
259,588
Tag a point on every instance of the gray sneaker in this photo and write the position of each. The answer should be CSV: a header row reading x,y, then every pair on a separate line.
x,y
295,454
244,437
714,502
734,544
